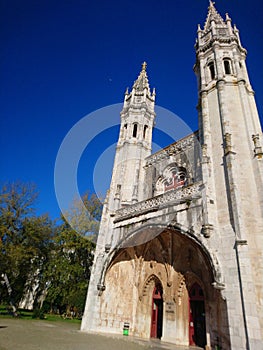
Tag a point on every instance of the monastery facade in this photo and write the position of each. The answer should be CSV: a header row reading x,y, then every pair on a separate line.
x,y
179,253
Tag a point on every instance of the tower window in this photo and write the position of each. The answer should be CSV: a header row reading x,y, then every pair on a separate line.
x,y
124,130
145,131
227,66
211,67
135,128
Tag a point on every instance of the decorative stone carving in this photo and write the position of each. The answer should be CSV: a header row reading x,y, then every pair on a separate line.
x,y
180,289
228,143
258,148
207,230
182,194
100,288
107,248
173,149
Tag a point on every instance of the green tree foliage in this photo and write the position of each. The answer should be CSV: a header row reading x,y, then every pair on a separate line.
x,y
16,203
84,216
24,238
68,271
40,258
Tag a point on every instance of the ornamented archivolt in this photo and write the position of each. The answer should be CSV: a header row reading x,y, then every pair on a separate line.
x,y
152,280
181,288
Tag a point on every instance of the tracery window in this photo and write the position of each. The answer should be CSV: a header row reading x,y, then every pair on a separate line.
x,y
173,177
175,180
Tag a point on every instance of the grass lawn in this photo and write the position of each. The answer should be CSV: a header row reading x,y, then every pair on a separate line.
x,y
29,315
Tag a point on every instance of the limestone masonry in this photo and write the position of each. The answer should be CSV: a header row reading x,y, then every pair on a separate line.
x,y
179,252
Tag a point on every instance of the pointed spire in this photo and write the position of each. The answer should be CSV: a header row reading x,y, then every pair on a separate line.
x,y
144,65
142,81
212,15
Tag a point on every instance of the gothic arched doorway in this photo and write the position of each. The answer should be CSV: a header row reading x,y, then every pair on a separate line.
x,y
197,331
157,312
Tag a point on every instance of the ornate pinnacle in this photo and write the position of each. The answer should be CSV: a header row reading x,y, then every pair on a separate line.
x,y
144,65
211,3
142,81
227,17
212,15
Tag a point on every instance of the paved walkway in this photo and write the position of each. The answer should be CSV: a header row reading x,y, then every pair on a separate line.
x,y
44,335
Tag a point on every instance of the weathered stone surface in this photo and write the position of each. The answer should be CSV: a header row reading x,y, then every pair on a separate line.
x,y
181,234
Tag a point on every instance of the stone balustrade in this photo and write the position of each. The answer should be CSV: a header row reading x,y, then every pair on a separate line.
x,y
179,195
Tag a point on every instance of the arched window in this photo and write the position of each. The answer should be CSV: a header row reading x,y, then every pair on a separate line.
x,y
124,132
145,131
211,67
135,127
227,66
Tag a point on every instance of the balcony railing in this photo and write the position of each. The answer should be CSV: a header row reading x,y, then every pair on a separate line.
x,y
179,195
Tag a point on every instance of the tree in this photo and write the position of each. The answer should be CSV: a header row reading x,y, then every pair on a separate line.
x,y
84,215
38,245
24,239
39,258
68,271
16,203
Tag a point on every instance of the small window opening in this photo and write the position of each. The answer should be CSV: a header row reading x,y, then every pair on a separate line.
x,y
135,127
124,131
145,131
212,70
227,67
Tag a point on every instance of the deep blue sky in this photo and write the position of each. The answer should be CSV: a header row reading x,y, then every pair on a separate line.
x,y
62,59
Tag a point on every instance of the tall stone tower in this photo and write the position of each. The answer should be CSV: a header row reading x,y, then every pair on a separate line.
x,y
179,255
134,144
128,177
231,138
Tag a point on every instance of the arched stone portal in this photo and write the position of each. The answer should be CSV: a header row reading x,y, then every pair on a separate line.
x,y
171,264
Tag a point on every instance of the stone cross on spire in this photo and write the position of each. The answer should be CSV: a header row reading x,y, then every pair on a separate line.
x,y
142,81
212,15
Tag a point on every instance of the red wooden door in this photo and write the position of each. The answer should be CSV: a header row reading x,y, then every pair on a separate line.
x,y
154,321
157,313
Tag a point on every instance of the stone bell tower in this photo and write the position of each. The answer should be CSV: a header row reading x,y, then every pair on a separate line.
x,y
134,145
135,142
127,183
231,140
